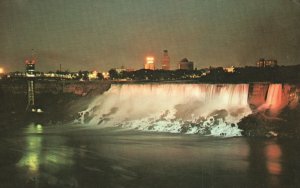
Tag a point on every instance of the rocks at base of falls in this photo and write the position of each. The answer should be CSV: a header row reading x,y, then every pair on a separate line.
x,y
286,124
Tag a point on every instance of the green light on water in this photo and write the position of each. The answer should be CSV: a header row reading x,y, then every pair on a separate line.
x,y
39,128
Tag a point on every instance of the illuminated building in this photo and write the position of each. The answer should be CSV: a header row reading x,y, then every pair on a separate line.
x,y
1,72
93,75
150,63
121,69
105,75
165,61
229,69
185,64
266,63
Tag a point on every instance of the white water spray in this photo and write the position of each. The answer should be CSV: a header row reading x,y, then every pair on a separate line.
x,y
208,109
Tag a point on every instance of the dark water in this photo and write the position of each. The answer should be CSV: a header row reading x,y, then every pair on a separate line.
x,y
72,156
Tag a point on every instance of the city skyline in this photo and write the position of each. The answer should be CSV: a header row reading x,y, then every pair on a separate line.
x,y
99,35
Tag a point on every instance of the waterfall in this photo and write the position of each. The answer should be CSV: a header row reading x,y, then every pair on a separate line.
x,y
211,109
278,97
274,99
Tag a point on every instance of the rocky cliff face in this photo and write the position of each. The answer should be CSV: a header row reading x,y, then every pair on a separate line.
x,y
273,97
257,94
276,111
59,100
54,87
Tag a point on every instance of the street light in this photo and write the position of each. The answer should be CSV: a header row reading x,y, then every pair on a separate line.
x,y
1,70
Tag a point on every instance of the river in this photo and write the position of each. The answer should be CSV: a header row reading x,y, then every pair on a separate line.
x,y
87,156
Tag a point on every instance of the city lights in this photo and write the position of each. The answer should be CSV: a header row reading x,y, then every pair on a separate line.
x,y
149,64
150,60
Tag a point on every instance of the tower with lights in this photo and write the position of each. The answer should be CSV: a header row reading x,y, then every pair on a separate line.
x,y
30,74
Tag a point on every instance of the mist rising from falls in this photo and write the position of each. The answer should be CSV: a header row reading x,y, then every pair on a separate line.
x,y
189,108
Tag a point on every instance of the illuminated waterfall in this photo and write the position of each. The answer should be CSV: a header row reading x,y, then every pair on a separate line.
x,y
278,97
210,109
274,99
188,108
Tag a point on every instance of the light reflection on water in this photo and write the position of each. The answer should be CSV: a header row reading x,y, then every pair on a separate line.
x,y
273,154
273,159
32,156
41,155
89,158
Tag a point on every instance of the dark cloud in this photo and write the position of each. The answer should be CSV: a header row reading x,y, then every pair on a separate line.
x,y
54,56
296,1
95,34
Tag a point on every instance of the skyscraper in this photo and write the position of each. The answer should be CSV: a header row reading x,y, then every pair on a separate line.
x,y
149,64
165,64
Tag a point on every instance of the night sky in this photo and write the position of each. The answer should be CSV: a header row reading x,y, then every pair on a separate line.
x,y
103,34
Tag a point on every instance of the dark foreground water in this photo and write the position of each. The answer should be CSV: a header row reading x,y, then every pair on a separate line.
x,y
73,156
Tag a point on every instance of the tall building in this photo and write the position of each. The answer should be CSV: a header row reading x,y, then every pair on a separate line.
x,y
185,64
165,64
266,63
149,64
